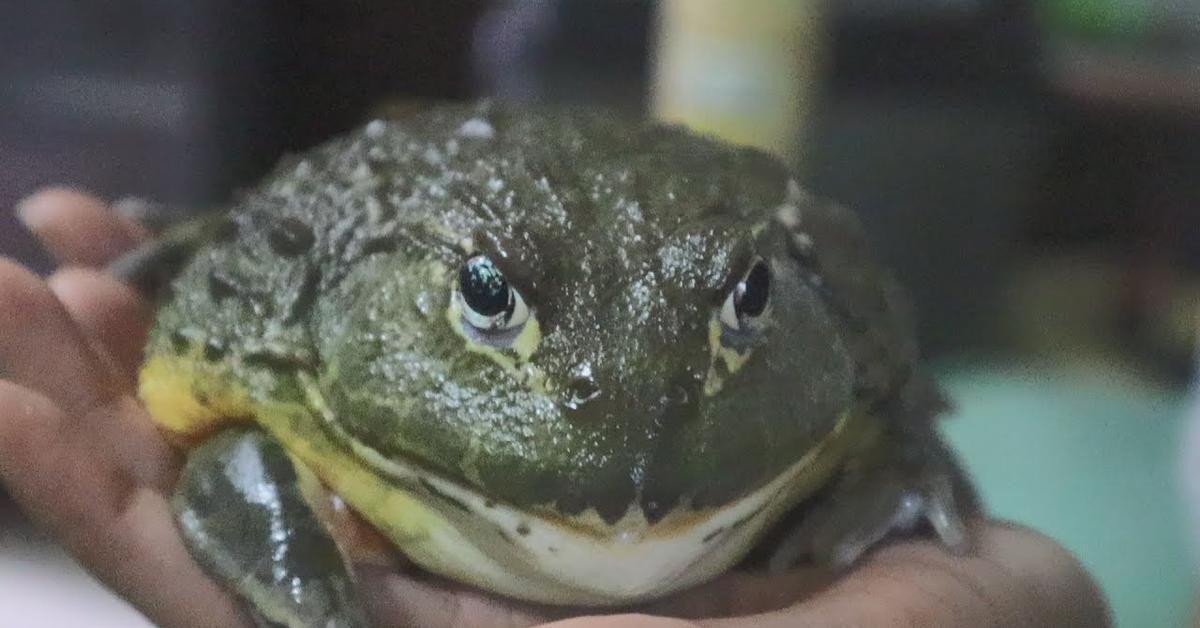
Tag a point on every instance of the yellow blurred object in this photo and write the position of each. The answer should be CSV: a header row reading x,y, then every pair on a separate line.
x,y
744,71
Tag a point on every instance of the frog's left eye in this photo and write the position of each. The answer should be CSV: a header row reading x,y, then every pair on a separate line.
x,y
489,303
748,300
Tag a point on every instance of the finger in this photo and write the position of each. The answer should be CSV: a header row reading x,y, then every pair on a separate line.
x,y
742,593
401,600
1045,567
78,228
123,431
1017,578
622,621
40,346
45,351
119,529
108,311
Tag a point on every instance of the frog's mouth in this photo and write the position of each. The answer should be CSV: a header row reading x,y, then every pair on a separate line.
x,y
544,555
452,529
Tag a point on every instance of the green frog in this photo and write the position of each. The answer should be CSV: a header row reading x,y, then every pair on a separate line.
x,y
560,355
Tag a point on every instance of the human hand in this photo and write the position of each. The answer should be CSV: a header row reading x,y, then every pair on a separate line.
x,y
80,455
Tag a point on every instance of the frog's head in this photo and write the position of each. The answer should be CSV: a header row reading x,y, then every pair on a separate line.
x,y
591,316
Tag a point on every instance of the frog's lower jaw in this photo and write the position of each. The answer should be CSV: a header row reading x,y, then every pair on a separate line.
x,y
454,531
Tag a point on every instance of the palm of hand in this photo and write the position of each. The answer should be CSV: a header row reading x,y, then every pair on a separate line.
x,y
81,456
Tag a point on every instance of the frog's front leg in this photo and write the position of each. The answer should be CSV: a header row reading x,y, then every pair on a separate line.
x,y
240,504
903,479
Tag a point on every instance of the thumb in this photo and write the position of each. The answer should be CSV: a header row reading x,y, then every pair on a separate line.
x,y
621,621
1016,577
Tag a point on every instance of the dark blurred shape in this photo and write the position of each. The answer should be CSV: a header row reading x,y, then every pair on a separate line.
x,y
933,128
185,101
1123,181
984,49
565,51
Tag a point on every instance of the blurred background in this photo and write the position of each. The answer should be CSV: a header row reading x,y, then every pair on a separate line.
x,y
1029,168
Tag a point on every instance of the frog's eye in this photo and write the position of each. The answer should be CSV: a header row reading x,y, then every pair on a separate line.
x,y
488,302
748,300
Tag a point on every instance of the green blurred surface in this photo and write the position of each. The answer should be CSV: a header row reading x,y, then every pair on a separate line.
x,y
1095,19
1089,458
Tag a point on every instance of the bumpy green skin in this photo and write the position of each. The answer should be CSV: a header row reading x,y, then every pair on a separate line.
x,y
624,238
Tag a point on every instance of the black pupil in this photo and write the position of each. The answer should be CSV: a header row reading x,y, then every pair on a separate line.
x,y
484,288
753,292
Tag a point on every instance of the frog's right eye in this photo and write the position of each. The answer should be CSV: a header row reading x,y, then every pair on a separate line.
x,y
489,303
748,300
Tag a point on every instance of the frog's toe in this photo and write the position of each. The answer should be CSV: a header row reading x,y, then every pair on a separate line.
x,y
845,526
243,514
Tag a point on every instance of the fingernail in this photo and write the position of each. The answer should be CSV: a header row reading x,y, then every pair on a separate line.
x,y
27,212
35,210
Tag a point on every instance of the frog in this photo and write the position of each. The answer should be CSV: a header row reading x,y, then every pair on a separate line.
x,y
562,355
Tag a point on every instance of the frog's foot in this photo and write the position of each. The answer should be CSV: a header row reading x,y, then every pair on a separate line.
x,y
870,504
242,509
